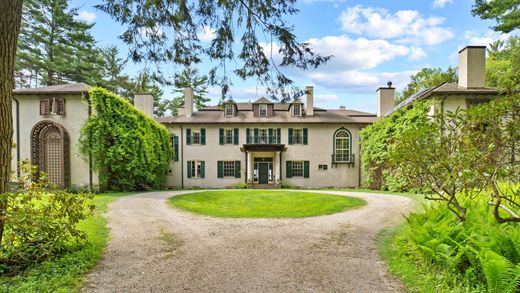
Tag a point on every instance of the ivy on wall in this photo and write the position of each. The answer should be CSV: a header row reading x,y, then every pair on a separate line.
x,y
130,150
377,141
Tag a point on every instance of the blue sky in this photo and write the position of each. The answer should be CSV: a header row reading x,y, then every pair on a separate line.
x,y
372,42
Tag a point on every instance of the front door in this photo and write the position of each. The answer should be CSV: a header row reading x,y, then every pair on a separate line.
x,y
263,173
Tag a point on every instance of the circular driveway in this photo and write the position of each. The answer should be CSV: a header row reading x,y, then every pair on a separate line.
x,y
156,248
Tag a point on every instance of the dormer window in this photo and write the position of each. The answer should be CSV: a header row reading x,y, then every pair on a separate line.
x,y
263,110
229,110
297,109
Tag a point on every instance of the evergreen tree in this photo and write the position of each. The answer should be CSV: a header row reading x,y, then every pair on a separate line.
x,y
189,77
505,12
54,47
114,79
148,83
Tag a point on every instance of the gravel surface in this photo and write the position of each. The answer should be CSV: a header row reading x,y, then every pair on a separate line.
x,y
156,248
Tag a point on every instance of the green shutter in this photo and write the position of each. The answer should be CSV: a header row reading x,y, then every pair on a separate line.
x,y
203,136
306,169
290,136
189,169
176,148
305,134
288,169
248,136
271,134
278,135
235,136
237,169
188,136
202,169
220,169
256,135
221,136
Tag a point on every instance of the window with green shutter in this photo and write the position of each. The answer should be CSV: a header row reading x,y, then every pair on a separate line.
x,y
189,169
221,136
290,136
305,136
235,136
237,169
202,169
220,169
278,135
188,136
203,136
248,135
255,135
288,169
176,148
271,135
196,169
306,167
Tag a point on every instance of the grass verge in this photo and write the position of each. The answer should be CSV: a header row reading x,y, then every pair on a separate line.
x,y
65,274
263,203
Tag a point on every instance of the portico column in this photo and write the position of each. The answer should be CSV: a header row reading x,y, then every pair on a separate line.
x,y
277,168
249,163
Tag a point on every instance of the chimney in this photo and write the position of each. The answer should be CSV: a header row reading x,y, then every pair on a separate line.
x,y
144,102
385,99
472,67
188,101
309,107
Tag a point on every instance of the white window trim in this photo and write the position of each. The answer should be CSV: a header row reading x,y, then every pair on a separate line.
x,y
232,163
193,131
195,164
262,106
226,136
302,168
294,109
295,136
229,106
348,144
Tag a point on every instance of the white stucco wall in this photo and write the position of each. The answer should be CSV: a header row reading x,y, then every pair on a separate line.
x,y
318,151
76,113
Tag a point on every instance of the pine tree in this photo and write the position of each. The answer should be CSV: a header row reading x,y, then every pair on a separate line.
x,y
505,12
114,78
54,47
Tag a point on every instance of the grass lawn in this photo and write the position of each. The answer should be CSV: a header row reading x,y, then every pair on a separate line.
x,y
65,274
263,203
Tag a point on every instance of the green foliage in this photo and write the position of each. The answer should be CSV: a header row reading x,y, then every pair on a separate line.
x,y
503,65
504,12
264,203
131,150
376,141
40,224
65,272
425,78
448,255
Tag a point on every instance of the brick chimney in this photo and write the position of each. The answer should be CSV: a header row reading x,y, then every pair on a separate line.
x,y
385,99
144,102
309,106
472,67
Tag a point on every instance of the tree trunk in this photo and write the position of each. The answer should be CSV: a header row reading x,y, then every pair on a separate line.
x,y
10,19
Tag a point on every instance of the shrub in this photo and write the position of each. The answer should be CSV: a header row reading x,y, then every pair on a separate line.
x,y
130,150
40,223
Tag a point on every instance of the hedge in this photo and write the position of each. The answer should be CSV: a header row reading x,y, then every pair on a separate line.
x,y
130,149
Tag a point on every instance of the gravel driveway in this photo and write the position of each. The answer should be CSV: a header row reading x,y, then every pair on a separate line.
x,y
156,248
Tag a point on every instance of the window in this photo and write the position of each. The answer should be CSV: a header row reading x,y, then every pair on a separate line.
x,y
195,169
322,167
263,110
298,136
297,168
228,136
229,168
342,146
263,136
297,109
195,136
230,110
175,144
52,106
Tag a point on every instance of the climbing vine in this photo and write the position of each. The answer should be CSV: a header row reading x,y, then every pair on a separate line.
x,y
130,150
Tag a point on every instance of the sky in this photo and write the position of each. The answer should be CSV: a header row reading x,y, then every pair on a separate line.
x,y
372,42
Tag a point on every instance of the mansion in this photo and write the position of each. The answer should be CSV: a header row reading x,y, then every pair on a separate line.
x,y
258,144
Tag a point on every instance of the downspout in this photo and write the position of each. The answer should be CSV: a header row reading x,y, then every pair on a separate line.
x,y
247,167
17,136
90,173
359,157
182,157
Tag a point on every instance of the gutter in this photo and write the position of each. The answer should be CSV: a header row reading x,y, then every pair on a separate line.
x,y
17,136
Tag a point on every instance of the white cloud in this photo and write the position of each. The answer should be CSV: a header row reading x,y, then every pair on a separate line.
x,y
87,16
483,39
441,3
326,98
207,34
406,26
359,81
416,54
315,1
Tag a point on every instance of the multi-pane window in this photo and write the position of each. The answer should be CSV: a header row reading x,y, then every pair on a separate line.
x,y
297,109
342,146
229,168
228,136
263,110
263,135
195,169
298,136
52,106
322,167
230,110
297,168
195,136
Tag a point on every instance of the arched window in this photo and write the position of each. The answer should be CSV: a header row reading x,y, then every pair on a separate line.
x,y
50,152
342,145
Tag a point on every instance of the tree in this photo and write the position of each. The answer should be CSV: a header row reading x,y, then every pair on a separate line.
x,y
167,32
189,77
114,79
505,12
425,78
147,82
10,21
503,65
54,46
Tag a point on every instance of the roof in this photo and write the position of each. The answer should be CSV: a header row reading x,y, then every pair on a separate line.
x,y
352,113
323,116
249,107
444,89
71,88
262,100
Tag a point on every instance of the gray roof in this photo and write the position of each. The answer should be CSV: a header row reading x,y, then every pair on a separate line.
x,y
263,100
322,116
71,88
444,89
249,107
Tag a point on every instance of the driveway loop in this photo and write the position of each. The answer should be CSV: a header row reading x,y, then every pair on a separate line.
x,y
156,248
